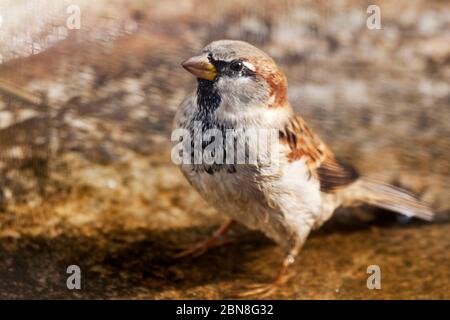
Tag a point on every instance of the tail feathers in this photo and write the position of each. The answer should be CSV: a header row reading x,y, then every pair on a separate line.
x,y
392,198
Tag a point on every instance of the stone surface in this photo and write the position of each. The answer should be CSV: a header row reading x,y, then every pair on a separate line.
x,y
86,177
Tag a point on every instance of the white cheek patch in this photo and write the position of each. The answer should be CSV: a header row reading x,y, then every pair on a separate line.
x,y
249,65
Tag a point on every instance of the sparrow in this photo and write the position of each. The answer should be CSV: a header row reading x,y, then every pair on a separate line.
x,y
240,87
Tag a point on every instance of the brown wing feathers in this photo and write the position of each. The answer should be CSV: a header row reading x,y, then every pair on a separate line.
x,y
334,175
304,144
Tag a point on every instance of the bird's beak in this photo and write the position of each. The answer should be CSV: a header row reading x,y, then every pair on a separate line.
x,y
200,67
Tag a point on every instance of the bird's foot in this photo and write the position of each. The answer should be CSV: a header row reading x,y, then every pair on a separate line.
x,y
215,240
197,249
264,290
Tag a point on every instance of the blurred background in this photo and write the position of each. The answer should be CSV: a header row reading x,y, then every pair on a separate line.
x,y
85,122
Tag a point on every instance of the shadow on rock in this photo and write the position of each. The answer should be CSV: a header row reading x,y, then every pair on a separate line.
x,y
121,263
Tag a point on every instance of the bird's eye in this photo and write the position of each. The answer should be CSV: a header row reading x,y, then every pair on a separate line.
x,y
236,66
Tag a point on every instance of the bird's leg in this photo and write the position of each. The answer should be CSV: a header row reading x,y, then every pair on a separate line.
x,y
201,247
263,290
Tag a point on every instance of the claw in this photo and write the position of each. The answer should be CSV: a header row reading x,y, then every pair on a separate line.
x,y
200,248
265,290
195,250
261,290
215,240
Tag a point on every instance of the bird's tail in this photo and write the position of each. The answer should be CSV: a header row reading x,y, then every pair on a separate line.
x,y
388,197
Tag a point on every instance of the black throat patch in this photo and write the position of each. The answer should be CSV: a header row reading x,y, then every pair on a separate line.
x,y
208,101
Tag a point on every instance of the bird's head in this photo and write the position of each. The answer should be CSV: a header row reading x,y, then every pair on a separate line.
x,y
242,77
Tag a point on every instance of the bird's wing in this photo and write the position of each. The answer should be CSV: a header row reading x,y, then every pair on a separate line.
x,y
304,144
